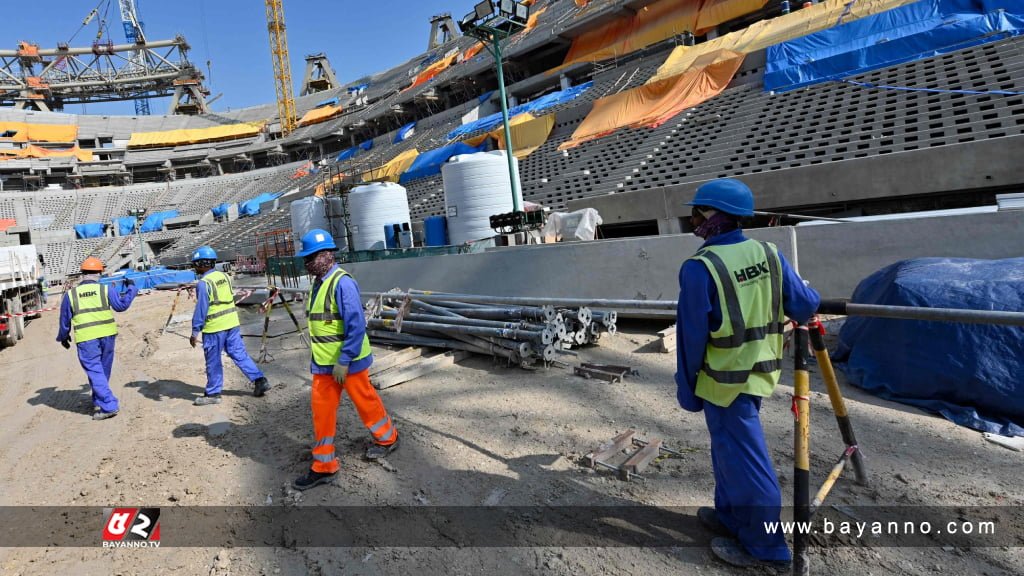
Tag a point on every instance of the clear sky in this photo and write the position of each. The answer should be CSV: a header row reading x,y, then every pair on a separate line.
x,y
360,37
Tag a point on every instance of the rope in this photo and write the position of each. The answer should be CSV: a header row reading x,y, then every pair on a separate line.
x,y
934,90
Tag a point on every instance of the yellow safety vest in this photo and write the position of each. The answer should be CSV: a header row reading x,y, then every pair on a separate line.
x,y
326,326
92,317
221,314
744,355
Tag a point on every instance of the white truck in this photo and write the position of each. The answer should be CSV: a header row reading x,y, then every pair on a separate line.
x,y
19,290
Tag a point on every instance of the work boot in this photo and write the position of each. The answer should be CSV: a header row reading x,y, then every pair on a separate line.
x,y
311,478
101,415
732,552
260,387
378,451
709,518
205,400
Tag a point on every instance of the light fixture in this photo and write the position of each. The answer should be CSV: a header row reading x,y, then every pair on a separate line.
x,y
507,8
522,12
484,9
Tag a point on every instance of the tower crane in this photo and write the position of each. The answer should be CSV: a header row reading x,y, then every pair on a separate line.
x,y
282,65
134,33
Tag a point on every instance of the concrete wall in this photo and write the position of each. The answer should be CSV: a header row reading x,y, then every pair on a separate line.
x,y
636,268
836,257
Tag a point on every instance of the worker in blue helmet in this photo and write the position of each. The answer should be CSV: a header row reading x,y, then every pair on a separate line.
x,y
340,361
734,295
216,318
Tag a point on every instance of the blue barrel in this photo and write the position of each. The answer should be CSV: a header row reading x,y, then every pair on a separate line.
x,y
389,237
435,231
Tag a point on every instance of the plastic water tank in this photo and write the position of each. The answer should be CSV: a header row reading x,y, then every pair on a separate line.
x,y
476,187
435,231
307,214
370,207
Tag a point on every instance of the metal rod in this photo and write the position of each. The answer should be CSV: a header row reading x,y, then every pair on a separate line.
x,y
843,307
800,216
835,395
537,301
471,330
439,310
454,321
801,450
830,480
381,335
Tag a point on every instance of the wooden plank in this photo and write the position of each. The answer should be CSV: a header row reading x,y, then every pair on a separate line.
x,y
668,343
421,368
394,359
671,330
611,447
638,462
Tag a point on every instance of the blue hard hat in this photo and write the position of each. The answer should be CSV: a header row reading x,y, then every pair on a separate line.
x,y
726,195
204,253
316,240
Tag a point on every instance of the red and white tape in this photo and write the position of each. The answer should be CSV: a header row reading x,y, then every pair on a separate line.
x,y
244,294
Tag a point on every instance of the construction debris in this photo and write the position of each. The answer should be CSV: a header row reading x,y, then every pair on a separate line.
x,y
521,334
667,339
610,372
626,455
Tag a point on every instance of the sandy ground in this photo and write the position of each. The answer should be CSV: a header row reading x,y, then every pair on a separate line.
x,y
475,434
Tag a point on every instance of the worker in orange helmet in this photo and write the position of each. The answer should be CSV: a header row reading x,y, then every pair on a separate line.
x,y
89,308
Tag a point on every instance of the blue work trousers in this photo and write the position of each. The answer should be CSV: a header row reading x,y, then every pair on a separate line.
x,y
747,491
229,341
97,359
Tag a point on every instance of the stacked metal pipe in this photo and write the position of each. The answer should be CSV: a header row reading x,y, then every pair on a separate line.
x,y
520,333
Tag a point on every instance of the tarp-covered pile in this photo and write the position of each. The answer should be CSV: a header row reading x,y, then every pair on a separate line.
x,y
320,114
534,107
150,278
93,230
124,225
968,373
195,135
220,210
906,33
251,207
33,151
155,222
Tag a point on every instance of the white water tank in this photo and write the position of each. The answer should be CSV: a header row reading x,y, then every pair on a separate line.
x,y
315,212
476,187
371,207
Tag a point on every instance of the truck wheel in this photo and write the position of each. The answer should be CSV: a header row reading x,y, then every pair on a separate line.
x,y
11,338
18,323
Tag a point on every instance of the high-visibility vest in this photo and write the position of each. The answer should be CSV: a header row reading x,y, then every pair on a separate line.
x,y
221,314
326,326
92,317
744,355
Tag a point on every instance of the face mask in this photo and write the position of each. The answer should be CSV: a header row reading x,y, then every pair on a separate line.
x,y
320,264
717,223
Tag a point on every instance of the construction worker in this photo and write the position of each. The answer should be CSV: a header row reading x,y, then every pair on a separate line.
x,y
341,359
216,317
734,294
89,308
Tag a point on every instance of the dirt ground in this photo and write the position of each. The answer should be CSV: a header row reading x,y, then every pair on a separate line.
x,y
474,434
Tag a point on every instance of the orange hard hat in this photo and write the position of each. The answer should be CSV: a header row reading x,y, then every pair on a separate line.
x,y
92,264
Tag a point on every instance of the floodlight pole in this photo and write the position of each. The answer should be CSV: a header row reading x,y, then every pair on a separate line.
x,y
496,51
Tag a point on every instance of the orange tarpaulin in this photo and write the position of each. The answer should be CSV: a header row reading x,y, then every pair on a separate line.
x,y
33,151
321,114
714,12
25,132
433,70
531,22
6,223
471,52
652,105
195,135
650,24
333,180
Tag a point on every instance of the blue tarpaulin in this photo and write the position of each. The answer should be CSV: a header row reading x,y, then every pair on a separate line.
x,y
358,87
404,132
328,102
346,154
151,278
535,107
968,373
429,163
95,230
485,97
220,210
366,145
903,34
125,225
155,221
251,207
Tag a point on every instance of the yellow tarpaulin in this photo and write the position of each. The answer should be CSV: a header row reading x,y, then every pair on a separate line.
x,y
765,33
334,180
714,12
528,133
654,104
393,169
321,114
651,24
195,135
33,151
26,132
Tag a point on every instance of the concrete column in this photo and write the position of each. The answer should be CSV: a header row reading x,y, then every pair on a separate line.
x,y
513,101
564,82
669,226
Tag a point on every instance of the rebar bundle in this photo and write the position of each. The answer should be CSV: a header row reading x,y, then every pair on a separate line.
x,y
521,334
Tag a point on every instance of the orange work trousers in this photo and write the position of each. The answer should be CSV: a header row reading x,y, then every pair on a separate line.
x,y
326,396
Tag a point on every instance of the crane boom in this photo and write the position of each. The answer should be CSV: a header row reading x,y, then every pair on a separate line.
x,y
134,33
282,65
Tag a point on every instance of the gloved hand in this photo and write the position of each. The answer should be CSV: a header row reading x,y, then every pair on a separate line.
x,y
339,373
193,339
66,343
